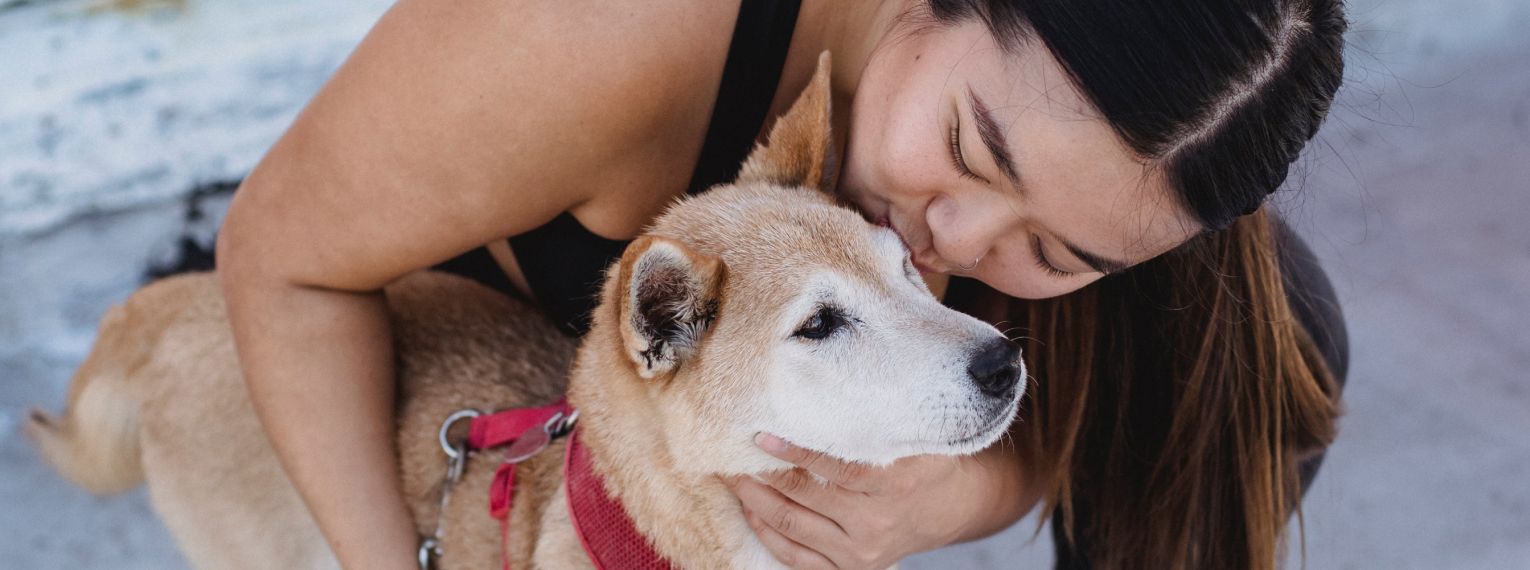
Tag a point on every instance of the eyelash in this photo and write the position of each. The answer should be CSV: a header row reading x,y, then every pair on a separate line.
x,y
1041,259
957,160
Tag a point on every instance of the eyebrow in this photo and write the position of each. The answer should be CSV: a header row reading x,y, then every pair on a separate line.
x,y
993,138
1095,262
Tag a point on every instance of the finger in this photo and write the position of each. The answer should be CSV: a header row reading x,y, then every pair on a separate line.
x,y
852,476
785,550
792,520
800,486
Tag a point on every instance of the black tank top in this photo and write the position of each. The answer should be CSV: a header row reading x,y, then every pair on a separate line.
x,y
564,263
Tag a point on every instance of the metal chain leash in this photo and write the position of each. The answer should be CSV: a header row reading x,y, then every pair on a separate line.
x,y
524,447
456,461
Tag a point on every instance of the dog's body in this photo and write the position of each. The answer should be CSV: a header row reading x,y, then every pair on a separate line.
x,y
762,306
163,379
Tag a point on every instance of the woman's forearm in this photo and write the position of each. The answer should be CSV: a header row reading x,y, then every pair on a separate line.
x,y
997,490
319,367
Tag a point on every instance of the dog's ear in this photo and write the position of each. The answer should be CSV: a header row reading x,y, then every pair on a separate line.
x,y
800,151
669,298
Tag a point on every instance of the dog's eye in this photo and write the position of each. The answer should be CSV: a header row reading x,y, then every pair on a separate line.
x,y
821,324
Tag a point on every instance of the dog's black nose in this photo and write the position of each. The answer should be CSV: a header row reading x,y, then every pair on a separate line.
x,y
995,368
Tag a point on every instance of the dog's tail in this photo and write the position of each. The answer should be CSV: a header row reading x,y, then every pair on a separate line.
x,y
95,442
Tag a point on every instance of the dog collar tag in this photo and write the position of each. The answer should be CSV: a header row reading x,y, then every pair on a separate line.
x,y
527,445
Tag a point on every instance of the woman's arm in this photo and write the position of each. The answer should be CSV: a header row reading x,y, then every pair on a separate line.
x,y
319,365
452,125
1000,491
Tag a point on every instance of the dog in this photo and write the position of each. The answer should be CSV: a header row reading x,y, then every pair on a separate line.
x,y
758,306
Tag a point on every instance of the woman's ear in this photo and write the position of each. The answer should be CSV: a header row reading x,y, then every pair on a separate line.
x,y
800,150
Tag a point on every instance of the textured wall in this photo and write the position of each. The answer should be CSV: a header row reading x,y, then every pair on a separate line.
x,y
104,110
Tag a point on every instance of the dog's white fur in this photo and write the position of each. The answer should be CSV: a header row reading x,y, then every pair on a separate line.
x,y
693,350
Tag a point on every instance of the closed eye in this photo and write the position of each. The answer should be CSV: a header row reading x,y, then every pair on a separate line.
x,y
959,160
1040,256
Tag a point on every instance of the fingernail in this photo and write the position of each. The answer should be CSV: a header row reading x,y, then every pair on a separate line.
x,y
770,443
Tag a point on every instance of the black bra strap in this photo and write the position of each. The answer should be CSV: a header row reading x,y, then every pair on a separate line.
x,y
761,37
564,262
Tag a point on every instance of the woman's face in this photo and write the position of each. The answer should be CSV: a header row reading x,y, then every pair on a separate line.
x,y
973,154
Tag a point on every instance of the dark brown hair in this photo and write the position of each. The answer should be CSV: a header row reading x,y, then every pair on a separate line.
x,y
1175,401
1176,417
1221,95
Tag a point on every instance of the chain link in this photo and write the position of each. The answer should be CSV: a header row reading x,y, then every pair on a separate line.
x,y
456,462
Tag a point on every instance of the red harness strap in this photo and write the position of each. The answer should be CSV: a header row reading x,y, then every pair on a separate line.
x,y
604,528
511,427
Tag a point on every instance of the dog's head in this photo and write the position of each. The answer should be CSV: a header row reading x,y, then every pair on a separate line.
x,y
765,306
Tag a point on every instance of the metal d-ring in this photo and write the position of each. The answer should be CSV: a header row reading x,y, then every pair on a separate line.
x,y
454,451
562,424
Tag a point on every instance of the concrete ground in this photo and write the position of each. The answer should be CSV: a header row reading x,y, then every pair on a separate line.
x,y
1414,196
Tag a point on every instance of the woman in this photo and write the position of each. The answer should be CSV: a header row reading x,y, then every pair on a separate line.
x,y
1110,156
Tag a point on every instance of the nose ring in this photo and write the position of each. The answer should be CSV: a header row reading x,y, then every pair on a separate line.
x,y
970,267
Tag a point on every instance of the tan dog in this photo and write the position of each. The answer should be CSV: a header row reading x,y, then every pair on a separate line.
x,y
758,306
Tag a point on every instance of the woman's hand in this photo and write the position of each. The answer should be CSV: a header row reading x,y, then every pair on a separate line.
x,y
860,517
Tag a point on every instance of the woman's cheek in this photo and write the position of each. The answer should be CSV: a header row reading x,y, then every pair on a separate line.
x,y
1022,281
909,160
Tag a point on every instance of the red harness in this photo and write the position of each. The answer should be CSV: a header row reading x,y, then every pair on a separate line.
x,y
604,528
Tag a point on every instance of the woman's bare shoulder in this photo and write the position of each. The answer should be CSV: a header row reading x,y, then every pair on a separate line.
x,y
457,122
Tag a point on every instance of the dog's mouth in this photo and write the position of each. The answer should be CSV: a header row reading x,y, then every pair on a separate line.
x,y
998,424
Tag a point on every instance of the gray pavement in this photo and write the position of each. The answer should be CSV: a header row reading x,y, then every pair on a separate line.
x,y
1415,198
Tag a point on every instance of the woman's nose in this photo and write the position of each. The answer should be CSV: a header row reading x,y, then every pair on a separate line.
x,y
963,230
